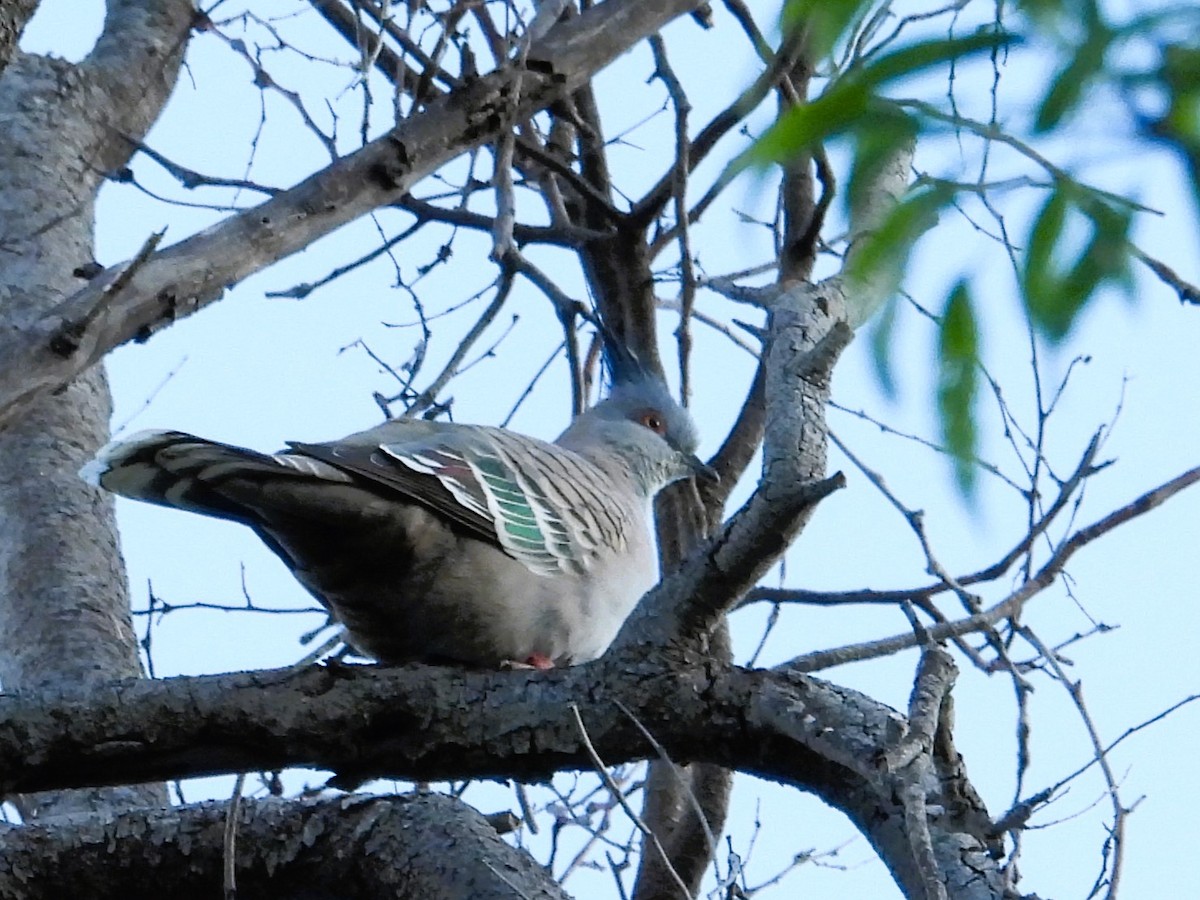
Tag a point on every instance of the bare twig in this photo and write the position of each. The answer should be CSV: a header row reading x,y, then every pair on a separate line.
x,y
1188,292
426,398
1015,601
658,196
1086,467
666,760
65,339
647,833
230,840
191,179
687,266
561,234
1117,830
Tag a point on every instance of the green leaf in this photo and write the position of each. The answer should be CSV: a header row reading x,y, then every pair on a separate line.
x,y
1044,12
1040,284
1180,73
848,100
801,127
926,54
1104,262
875,146
880,257
958,346
1073,80
1055,293
826,21
880,334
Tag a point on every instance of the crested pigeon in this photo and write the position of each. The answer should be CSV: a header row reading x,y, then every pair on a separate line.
x,y
435,541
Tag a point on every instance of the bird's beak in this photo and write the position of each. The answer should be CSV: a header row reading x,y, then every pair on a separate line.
x,y
702,471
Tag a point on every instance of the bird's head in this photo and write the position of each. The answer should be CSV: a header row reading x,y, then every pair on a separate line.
x,y
642,424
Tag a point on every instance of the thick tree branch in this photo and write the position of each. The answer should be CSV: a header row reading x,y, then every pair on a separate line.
x,y
362,722
64,609
187,276
419,847
13,16
135,62
807,330
807,342
426,723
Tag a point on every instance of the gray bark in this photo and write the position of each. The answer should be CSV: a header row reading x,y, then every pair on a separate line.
x,y
13,16
46,352
64,621
346,847
64,614
429,724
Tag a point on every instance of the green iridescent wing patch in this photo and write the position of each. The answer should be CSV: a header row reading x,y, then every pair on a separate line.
x,y
506,488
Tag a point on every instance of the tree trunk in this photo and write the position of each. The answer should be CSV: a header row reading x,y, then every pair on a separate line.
x,y
64,607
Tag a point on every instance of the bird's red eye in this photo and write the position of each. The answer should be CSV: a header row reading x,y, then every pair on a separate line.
x,y
652,420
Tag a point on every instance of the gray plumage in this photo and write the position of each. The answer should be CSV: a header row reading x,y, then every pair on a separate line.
x,y
437,541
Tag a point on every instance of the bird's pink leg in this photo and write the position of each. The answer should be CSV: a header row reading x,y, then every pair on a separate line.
x,y
539,661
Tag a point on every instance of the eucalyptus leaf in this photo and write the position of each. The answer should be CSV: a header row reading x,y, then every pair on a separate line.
x,y
958,354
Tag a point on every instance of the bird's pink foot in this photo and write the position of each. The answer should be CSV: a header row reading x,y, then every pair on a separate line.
x,y
539,661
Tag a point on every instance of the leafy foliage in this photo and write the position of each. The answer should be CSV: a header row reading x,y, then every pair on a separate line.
x,y
1077,245
958,362
882,255
847,104
1083,67
880,335
1055,293
1179,75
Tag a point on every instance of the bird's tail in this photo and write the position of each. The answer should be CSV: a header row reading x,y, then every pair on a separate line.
x,y
172,468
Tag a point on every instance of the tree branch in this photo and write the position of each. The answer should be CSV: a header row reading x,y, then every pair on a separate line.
x,y
1015,601
13,17
64,609
421,847
429,723
193,273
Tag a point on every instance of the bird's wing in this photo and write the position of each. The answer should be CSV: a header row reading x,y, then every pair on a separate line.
x,y
545,506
